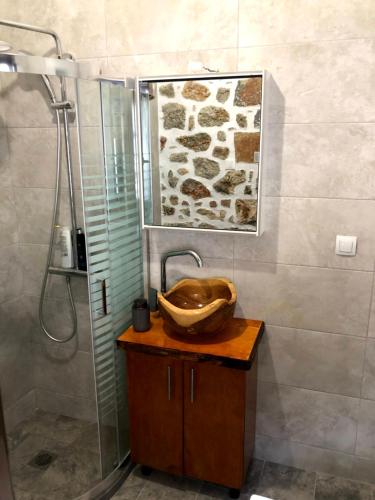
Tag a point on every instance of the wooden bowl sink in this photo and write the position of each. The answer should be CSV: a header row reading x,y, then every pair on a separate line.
x,y
198,306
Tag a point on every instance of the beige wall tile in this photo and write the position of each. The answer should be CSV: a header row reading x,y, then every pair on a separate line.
x,y
21,410
37,168
317,299
5,173
171,63
366,430
81,26
320,160
368,383
185,267
8,217
25,101
314,458
319,81
211,245
309,417
289,21
145,27
371,327
64,370
312,360
11,276
63,404
303,231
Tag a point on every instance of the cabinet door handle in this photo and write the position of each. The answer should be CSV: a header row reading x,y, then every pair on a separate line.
x,y
104,297
192,375
169,377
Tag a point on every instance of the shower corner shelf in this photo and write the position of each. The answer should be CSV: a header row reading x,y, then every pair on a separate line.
x,y
62,271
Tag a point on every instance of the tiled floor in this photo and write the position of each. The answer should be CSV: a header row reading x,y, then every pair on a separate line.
x,y
53,457
265,478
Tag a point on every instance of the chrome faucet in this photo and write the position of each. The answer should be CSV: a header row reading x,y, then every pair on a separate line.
x,y
175,253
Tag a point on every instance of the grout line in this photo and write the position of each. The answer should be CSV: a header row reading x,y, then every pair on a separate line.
x,y
218,48
333,198
357,398
338,269
316,480
362,338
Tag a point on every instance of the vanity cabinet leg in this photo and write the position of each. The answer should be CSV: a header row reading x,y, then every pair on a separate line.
x,y
234,493
146,471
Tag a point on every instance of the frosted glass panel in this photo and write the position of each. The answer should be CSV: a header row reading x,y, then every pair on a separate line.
x,y
114,248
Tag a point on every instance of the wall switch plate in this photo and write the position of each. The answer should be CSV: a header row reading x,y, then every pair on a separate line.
x,y
346,245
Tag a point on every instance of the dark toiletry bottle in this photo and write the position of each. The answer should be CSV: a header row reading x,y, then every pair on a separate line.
x,y
141,315
81,250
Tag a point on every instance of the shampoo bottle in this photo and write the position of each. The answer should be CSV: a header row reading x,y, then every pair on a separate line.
x,y
66,247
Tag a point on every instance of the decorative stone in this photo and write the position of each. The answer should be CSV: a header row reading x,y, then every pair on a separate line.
x,y
248,92
167,90
163,188
195,189
241,120
212,116
198,205
251,175
182,171
172,179
168,210
248,190
163,199
204,225
221,135
257,119
185,211
220,152
246,144
163,141
226,203
195,91
222,94
213,204
246,211
173,199
196,142
206,168
178,157
174,115
231,219
230,180
185,203
210,214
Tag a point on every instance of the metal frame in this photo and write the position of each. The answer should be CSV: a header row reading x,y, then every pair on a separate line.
x,y
139,163
38,65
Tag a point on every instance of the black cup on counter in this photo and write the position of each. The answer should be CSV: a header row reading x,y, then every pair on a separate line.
x,y
141,315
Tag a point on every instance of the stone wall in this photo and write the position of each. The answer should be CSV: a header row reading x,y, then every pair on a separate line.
x,y
209,135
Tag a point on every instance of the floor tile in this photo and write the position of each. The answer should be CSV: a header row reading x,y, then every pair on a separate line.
x,y
280,482
332,488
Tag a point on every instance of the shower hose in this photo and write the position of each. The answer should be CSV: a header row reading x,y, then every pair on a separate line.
x,y
52,241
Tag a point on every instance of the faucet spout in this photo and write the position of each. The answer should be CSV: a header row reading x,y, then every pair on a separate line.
x,y
175,253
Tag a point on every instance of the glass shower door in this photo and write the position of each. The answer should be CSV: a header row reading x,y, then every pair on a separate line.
x,y
114,248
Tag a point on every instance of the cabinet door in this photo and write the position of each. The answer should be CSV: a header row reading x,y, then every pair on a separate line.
x,y
155,408
214,415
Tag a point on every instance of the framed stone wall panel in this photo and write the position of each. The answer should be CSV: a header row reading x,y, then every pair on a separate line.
x,y
201,143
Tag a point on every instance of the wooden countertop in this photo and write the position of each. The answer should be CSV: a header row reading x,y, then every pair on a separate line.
x,y
235,345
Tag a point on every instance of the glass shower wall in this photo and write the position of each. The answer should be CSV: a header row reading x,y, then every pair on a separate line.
x,y
114,246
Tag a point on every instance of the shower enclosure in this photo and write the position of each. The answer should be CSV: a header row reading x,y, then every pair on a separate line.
x,y
67,157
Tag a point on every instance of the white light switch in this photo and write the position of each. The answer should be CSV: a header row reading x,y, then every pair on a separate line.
x,y
346,245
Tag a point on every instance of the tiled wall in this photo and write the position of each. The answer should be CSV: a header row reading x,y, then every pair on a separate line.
x,y
317,370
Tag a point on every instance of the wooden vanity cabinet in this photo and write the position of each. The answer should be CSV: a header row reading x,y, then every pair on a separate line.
x,y
191,418
191,414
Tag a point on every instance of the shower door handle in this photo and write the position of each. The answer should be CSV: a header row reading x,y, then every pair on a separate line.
x,y
104,297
